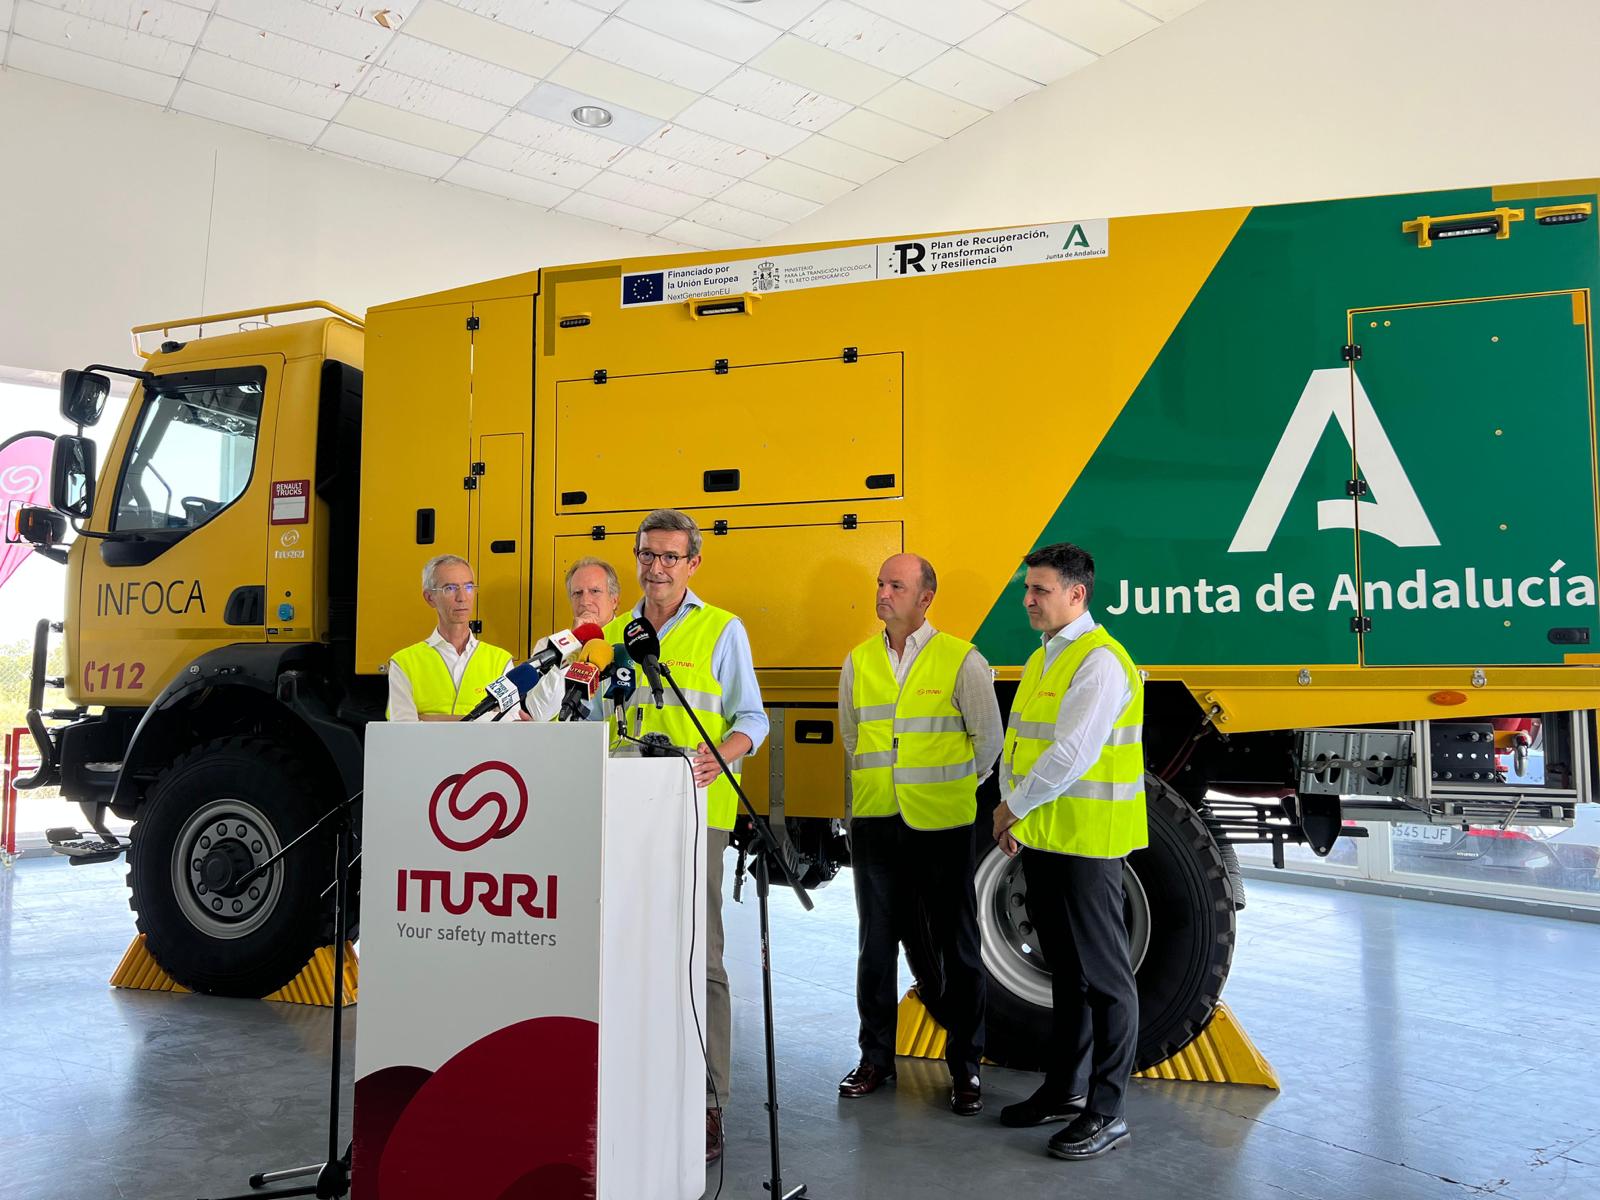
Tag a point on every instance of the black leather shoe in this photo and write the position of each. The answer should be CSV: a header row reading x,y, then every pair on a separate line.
x,y
1041,1109
1089,1136
713,1135
864,1080
966,1097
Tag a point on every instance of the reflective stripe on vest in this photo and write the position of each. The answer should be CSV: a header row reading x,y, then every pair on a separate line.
x,y
686,649
1101,815
913,753
433,690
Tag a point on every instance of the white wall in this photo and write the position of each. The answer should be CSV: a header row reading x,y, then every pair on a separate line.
x,y
1263,101
108,219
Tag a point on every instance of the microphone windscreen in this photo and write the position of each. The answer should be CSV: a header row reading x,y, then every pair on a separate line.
x,y
597,652
588,632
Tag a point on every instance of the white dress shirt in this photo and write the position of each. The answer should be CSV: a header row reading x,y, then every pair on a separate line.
x,y
402,706
1097,696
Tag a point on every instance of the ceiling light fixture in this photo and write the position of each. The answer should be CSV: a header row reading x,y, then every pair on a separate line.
x,y
592,116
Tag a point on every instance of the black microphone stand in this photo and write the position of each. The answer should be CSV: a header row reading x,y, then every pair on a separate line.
x,y
333,1175
766,845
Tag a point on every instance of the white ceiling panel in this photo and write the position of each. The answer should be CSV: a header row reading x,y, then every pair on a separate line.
x,y
563,141
25,54
735,220
5,14
822,70
159,18
672,173
430,100
836,158
872,39
602,5
384,152
613,186
504,183
714,27
3,38
310,24
868,131
796,180
948,20
707,115
1028,50
690,234
407,127
1098,25
207,102
596,77
1165,10
609,212
557,104
268,87
467,33
283,55
110,42
779,99
781,14
564,21
436,64
957,73
923,108
703,150
780,206
655,54
532,164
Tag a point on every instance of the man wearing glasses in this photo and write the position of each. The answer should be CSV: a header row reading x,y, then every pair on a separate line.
x,y
709,653
442,678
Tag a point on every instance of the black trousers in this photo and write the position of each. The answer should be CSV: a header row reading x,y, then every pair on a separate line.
x,y
898,871
1076,905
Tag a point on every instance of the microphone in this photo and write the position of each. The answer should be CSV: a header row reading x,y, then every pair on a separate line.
x,y
645,648
582,680
507,692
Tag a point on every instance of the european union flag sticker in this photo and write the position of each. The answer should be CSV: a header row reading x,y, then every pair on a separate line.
x,y
644,289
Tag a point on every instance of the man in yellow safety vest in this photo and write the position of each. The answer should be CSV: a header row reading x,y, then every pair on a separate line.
x,y
921,729
1072,777
709,654
444,676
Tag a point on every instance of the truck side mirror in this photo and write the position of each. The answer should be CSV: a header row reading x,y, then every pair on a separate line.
x,y
83,396
72,476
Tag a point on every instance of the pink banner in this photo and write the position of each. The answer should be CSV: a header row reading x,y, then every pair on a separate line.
x,y
24,479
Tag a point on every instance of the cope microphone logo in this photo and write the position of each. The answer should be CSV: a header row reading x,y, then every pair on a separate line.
x,y
468,811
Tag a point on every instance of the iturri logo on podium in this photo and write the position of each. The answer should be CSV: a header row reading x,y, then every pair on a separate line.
x,y
466,824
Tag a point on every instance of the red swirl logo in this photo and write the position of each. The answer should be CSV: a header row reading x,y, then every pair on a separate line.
x,y
467,795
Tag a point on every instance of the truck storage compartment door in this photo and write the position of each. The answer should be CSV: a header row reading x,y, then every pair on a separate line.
x,y
813,583
770,433
1474,437
499,542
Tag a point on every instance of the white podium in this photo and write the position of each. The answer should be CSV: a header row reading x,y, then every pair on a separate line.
x,y
532,963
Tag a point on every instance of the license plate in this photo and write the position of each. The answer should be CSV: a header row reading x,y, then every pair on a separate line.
x,y
1425,834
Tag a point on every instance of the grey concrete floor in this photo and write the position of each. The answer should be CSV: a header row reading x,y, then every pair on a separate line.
x,y
1426,1052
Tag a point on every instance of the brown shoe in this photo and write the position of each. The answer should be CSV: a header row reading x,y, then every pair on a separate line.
x,y
713,1134
966,1097
864,1080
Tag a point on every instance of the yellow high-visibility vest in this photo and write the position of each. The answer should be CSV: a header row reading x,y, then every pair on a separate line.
x,y
432,688
1101,815
913,753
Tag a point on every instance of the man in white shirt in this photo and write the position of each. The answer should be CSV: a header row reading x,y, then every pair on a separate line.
x,y
444,676
1075,807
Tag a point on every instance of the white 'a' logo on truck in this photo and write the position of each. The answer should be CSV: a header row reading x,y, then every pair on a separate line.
x,y
1394,513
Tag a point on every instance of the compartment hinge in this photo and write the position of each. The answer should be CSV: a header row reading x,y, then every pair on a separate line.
x,y
1360,624
1351,352
472,324
1356,487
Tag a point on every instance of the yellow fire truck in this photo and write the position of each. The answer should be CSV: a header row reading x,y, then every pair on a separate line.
x,y
1336,462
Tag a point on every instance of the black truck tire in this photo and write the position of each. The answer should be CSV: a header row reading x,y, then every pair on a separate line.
x,y
1180,909
238,799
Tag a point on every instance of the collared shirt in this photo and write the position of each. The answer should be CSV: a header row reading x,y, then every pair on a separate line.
x,y
1095,699
734,667
402,707
973,696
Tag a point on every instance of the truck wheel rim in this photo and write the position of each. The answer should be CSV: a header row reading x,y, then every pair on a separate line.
x,y
1011,951
220,842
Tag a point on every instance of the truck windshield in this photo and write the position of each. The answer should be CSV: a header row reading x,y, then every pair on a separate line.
x,y
193,450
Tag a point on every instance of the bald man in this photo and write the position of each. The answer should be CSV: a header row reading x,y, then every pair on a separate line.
x,y
921,730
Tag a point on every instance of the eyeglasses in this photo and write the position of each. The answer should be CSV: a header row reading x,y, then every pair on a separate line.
x,y
668,560
457,589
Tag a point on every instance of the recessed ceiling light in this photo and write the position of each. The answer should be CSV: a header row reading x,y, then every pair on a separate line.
x,y
592,116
